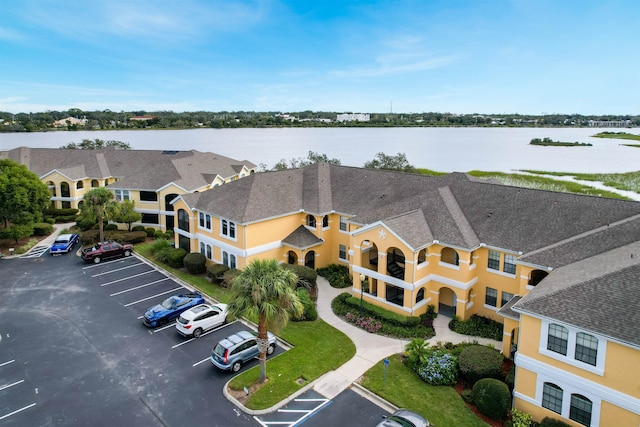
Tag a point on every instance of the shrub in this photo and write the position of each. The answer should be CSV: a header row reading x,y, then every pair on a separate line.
x,y
195,263
229,276
66,218
337,275
309,308
168,234
477,362
126,236
467,395
160,249
42,229
86,224
175,256
520,419
53,212
307,276
215,272
440,368
510,378
552,422
417,353
158,234
50,220
111,227
151,232
369,324
492,398
138,228
477,326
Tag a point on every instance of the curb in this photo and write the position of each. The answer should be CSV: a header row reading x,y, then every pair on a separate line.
x,y
371,396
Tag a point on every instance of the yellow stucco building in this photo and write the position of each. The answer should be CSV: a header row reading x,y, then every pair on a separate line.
x,y
467,247
151,178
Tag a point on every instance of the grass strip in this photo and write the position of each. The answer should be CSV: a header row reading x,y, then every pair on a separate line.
x,y
441,405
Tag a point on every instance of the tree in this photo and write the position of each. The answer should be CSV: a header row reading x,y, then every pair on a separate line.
x,y
398,162
266,291
97,144
23,196
125,212
312,158
99,203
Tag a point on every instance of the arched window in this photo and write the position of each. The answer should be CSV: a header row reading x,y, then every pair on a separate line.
x,y
422,256
450,256
183,220
79,185
552,397
586,348
325,221
558,339
95,183
420,295
311,221
580,410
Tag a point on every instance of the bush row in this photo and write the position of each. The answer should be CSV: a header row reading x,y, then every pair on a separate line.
x,y
477,326
92,236
337,275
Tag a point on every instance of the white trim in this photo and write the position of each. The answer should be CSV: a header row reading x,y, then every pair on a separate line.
x,y
501,273
449,265
573,384
570,359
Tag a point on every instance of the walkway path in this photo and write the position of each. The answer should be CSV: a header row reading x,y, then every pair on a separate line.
x,y
370,348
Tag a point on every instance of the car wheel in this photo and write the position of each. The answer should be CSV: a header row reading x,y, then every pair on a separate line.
x,y
236,366
271,349
127,253
97,260
197,332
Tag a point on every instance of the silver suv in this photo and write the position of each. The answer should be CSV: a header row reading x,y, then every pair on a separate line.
x,y
230,353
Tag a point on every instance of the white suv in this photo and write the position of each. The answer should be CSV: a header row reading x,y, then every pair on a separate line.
x,y
200,318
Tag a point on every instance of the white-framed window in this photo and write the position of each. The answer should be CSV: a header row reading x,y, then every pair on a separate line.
x,y
509,264
558,339
506,297
552,397
122,195
325,221
494,260
581,409
202,250
311,221
209,254
228,228
573,346
343,223
204,220
229,259
342,252
491,297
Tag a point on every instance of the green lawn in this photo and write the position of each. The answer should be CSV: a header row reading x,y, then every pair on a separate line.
x,y
441,405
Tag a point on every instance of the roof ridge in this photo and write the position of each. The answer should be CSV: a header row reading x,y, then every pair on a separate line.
x,y
468,234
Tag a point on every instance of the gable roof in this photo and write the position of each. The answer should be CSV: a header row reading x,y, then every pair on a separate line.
x,y
598,294
454,209
136,169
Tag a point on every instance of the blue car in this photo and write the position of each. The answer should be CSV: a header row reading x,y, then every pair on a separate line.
x,y
63,244
171,308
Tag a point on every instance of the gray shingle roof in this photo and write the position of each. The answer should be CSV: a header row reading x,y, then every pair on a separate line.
x,y
136,169
302,238
598,294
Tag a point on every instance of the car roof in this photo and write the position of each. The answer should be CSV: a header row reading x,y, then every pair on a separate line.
x,y
64,237
194,311
416,419
236,338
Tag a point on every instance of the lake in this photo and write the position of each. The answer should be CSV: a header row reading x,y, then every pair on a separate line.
x,y
441,149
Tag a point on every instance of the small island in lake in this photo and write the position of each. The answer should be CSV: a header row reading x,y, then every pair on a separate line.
x,y
548,141
618,135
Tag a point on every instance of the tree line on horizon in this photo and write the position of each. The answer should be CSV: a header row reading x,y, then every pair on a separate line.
x,y
107,119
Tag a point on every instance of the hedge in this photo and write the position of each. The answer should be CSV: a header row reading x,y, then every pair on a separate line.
x,y
195,263
42,229
492,398
337,275
215,273
478,361
175,256
552,422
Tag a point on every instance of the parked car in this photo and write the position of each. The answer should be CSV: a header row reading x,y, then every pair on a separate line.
x,y
403,418
235,350
171,308
63,244
201,318
106,250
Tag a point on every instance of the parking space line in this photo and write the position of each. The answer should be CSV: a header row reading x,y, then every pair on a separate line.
x,y
210,331
170,325
15,412
139,287
127,278
202,361
117,269
6,363
307,413
153,296
10,385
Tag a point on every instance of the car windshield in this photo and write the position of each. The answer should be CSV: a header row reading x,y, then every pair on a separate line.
x,y
61,241
169,302
400,421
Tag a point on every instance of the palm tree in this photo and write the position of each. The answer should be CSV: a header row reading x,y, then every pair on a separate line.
x,y
98,203
266,291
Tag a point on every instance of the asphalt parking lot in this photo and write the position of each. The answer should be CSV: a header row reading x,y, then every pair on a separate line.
x,y
74,351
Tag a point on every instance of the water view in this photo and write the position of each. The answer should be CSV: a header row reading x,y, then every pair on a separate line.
x,y
441,149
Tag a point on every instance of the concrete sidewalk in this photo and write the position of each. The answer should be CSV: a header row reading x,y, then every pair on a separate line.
x,y
371,348
46,242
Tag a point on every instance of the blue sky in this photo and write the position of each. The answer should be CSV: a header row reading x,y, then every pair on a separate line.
x,y
484,56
